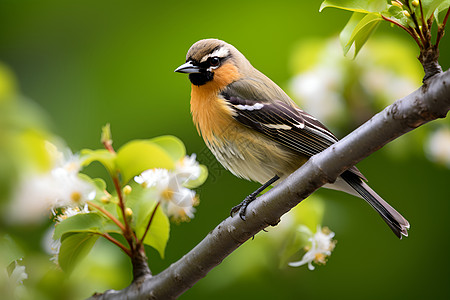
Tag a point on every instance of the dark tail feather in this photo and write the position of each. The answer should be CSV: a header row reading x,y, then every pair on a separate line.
x,y
398,224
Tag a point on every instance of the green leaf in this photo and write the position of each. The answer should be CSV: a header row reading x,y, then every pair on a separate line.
x,y
74,248
99,183
346,33
103,156
431,7
9,251
137,156
106,137
89,222
361,27
173,145
159,231
143,202
200,180
356,5
396,13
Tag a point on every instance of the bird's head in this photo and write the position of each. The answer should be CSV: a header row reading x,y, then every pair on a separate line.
x,y
213,62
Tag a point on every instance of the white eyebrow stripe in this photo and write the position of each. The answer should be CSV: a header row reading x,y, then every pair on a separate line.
x,y
221,52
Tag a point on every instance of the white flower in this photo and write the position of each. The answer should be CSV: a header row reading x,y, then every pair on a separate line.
x,y
180,213
18,275
37,194
438,146
71,211
11,283
49,244
176,200
322,244
188,168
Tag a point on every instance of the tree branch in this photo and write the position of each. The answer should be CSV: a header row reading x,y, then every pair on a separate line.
x,y
429,102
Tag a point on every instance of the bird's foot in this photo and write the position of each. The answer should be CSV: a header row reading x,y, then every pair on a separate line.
x,y
242,207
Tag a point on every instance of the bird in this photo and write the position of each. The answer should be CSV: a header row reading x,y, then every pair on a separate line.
x,y
256,131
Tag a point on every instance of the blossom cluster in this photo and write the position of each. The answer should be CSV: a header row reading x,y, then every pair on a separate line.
x,y
61,187
175,198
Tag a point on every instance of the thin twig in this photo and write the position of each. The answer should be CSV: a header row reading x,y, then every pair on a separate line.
x,y
411,33
418,31
108,146
116,242
128,233
424,24
441,29
108,214
149,222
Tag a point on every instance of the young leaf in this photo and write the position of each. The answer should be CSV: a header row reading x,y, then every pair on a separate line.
x,y
159,231
430,7
361,31
346,33
103,156
137,156
74,248
173,145
89,222
191,184
396,13
9,251
356,5
143,203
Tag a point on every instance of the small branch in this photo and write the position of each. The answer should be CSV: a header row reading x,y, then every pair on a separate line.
x,y
422,18
411,33
140,264
141,241
441,29
128,233
429,59
430,102
108,214
446,17
116,242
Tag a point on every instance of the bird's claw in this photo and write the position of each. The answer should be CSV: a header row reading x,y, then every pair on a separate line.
x,y
242,207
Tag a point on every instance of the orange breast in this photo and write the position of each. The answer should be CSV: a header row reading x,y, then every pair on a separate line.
x,y
211,114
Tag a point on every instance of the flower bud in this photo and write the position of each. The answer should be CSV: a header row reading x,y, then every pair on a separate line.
x,y
397,3
415,2
127,190
406,13
128,212
104,199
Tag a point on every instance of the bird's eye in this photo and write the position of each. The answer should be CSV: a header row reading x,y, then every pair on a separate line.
x,y
214,61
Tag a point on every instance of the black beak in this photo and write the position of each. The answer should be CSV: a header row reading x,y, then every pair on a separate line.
x,y
188,68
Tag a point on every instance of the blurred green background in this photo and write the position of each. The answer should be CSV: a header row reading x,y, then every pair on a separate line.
x,y
87,63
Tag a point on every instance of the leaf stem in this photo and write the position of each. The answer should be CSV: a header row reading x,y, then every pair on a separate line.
x,y
441,28
411,33
108,214
149,222
116,242
127,232
424,24
417,29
